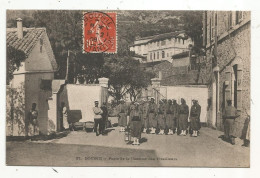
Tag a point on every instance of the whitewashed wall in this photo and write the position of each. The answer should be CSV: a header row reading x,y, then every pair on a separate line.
x,y
34,94
82,97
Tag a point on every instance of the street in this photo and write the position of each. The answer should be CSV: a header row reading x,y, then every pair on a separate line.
x,y
85,149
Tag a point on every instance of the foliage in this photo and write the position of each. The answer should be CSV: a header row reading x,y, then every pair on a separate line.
x,y
15,110
125,76
193,26
64,29
13,62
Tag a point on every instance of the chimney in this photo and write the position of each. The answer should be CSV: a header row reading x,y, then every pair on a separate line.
x,y
19,28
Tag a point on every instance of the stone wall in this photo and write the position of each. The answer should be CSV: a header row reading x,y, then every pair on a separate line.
x,y
233,48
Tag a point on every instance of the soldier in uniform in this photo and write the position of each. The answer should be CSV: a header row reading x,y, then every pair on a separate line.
x,y
144,113
161,117
152,111
175,115
104,117
97,118
229,116
183,116
169,117
136,124
122,115
65,122
195,117
131,107
33,122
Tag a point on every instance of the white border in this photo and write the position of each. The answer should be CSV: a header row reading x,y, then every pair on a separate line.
x,y
139,5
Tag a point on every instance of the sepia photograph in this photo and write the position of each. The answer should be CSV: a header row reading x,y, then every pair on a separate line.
x,y
128,88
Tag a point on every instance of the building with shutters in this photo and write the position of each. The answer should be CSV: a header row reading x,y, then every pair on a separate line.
x,y
161,47
226,38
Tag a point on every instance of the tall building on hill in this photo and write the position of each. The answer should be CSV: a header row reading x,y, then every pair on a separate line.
x,y
161,47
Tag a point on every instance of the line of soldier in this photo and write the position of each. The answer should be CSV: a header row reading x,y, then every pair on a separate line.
x,y
168,117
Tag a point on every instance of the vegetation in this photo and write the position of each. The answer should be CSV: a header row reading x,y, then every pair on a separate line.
x,y
64,29
13,62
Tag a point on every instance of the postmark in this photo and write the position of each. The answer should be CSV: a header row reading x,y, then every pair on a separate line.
x,y
99,32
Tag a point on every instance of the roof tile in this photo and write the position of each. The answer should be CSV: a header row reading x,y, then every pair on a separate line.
x,y
27,43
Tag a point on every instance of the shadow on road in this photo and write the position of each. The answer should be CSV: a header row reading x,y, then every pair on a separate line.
x,y
51,154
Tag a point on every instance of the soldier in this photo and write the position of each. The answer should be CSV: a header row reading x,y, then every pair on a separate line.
x,y
97,118
144,113
122,115
229,116
104,117
136,124
65,116
161,117
33,122
130,110
183,116
175,115
152,109
195,117
169,117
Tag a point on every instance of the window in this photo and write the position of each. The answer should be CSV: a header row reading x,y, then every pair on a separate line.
x,y
239,16
151,56
154,55
213,16
229,20
158,43
233,90
158,55
163,54
167,54
205,28
234,86
46,85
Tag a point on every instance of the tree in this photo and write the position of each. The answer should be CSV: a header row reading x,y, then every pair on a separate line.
x,y
13,61
140,79
193,26
125,76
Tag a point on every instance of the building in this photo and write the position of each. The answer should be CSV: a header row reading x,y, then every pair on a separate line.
x,y
161,47
226,37
34,77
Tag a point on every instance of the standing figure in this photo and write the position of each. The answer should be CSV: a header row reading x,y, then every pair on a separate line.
x,y
65,122
175,109
122,116
170,117
195,117
161,117
104,117
97,118
152,109
130,109
183,116
136,124
33,122
144,112
229,116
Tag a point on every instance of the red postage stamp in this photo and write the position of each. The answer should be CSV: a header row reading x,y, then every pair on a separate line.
x,y
99,32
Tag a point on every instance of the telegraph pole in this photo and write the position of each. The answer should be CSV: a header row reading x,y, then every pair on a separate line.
x,y
67,70
216,66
